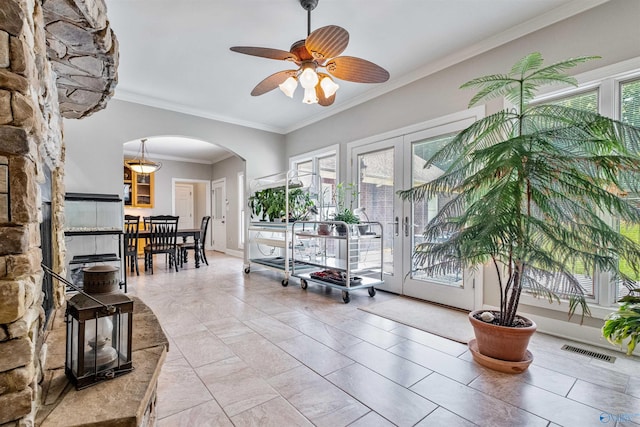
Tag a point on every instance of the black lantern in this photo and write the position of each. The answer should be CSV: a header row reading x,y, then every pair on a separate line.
x,y
99,329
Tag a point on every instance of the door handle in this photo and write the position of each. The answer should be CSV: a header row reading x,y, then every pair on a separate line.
x,y
396,226
406,226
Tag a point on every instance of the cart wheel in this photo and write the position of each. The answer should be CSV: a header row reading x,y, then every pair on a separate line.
x,y
247,270
345,297
285,282
303,284
372,291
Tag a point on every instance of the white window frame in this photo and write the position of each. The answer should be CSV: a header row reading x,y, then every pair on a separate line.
x,y
315,156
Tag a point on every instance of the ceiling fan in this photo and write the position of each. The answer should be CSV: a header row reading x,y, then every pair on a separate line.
x,y
319,50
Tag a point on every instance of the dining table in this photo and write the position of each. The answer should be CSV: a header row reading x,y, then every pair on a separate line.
x,y
184,233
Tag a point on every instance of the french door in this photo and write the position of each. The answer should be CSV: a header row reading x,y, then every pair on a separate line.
x,y
380,169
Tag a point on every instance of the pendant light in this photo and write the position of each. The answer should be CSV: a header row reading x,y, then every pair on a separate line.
x,y
142,164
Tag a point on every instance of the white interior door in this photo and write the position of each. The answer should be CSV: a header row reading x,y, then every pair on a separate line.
x,y
218,215
184,205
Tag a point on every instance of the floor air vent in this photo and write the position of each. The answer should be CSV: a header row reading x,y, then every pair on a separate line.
x,y
589,353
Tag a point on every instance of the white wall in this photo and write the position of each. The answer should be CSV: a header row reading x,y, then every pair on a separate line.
x,y
229,169
94,145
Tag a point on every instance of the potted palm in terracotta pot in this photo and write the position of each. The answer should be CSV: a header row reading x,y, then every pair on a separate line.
x,y
532,186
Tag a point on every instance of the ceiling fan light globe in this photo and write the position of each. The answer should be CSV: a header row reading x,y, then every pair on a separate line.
x,y
308,78
310,96
288,87
329,87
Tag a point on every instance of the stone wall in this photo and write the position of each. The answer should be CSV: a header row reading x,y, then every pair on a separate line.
x,y
31,137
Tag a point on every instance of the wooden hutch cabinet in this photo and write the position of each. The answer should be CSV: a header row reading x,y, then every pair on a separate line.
x,y
138,189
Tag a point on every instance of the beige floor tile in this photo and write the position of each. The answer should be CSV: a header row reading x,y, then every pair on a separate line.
x,y
182,324
369,333
389,365
208,414
209,311
179,388
328,335
445,364
274,413
372,319
235,386
474,405
442,417
264,357
542,403
547,379
580,368
324,404
202,347
272,329
430,340
315,355
228,328
392,401
606,400
633,388
372,420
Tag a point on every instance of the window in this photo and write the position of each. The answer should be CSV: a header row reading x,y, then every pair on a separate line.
x,y
624,90
587,101
322,184
424,212
629,113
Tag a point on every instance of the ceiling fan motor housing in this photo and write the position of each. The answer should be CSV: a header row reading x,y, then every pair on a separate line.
x,y
308,4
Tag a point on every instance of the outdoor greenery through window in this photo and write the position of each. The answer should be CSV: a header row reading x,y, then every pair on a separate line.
x,y
628,110
423,212
587,101
629,113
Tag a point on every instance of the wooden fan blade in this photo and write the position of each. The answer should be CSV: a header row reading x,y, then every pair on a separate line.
x,y
323,100
266,52
356,70
327,42
272,82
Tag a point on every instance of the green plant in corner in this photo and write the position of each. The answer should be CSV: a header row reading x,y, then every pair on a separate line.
x,y
530,187
622,327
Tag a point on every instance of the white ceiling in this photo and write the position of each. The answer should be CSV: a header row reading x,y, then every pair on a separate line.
x,y
174,54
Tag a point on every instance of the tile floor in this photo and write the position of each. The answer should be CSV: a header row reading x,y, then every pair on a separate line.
x,y
246,351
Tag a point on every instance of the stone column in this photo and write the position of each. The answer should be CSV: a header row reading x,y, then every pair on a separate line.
x,y
30,136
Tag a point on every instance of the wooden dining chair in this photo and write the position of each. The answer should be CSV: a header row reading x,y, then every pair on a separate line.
x,y
199,250
131,229
163,231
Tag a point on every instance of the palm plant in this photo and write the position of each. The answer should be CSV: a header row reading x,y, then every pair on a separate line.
x,y
532,186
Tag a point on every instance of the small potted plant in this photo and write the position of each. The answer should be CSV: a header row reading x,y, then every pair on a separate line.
x,y
300,204
344,213
529,186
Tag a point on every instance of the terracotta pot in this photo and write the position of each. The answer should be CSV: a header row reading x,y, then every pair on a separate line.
x,y
501,342
324,229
